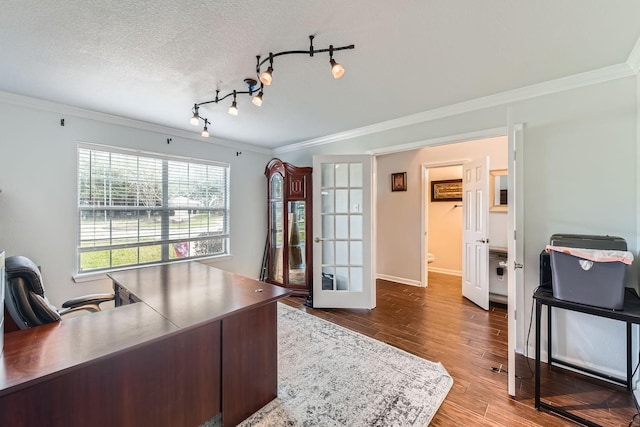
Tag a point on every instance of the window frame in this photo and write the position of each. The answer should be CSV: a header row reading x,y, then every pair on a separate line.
x,y
164,210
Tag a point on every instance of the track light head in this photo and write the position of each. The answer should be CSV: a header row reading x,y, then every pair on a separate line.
x,y
233,110
195,120
257,100
266,77
205,131
336,69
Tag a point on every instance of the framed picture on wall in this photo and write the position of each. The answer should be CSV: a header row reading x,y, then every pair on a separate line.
x,y
399,181
446,190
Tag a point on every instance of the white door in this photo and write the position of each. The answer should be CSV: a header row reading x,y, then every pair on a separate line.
x,y
343,251
514,245
475,240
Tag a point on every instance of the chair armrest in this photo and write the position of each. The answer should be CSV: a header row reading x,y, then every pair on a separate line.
x,y
87,302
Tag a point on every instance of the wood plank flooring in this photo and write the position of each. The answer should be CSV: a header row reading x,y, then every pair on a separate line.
x,y
437,323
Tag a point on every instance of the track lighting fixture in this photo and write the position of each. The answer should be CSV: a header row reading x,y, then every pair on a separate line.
x,y
266,78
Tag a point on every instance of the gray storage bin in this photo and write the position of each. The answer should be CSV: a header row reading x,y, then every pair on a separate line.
x,y
600,286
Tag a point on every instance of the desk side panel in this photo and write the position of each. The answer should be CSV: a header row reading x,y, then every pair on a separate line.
x,y
250,360
171,382
175,382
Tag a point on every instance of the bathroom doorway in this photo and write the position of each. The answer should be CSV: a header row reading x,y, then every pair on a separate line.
x,y
442,217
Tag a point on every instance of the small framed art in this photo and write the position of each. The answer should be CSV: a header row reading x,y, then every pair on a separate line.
x,y
399,181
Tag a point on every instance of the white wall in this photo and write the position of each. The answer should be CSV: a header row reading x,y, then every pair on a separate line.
x,y
38,203
580,166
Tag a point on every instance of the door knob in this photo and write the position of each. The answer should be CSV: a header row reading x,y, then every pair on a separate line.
x,y
318,240
483,241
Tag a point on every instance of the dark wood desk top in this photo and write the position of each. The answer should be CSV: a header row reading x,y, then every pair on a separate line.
x,y
630,311
190,293
37,354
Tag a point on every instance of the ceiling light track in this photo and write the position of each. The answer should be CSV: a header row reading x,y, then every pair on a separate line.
x,y
265,78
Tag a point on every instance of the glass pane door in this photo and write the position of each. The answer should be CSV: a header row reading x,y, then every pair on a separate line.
x,y
297,242
276,216
342,223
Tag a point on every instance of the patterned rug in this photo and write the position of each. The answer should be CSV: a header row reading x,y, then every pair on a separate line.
x,y
331,376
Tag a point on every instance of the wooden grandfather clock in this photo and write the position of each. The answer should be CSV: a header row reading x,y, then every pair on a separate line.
x,y
289,255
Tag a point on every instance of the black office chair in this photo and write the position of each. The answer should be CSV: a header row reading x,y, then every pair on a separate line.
x,y
25,299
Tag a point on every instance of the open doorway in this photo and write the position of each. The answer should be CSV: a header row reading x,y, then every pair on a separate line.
x,y
442,216
402,223
442,219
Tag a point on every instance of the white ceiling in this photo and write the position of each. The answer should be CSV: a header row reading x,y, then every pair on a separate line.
x,y
151,60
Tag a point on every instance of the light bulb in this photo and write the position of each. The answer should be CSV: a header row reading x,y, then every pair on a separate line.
x,y
205,132
336,69
195,120
266,77
233,110
257,100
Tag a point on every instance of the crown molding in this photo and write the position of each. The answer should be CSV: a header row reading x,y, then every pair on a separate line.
x,y
575,81
469,136
53,107
634,58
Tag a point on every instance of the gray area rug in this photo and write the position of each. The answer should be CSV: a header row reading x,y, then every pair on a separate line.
x,y
331,376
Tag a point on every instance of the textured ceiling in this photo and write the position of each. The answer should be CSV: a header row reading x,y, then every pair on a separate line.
x,y
152,60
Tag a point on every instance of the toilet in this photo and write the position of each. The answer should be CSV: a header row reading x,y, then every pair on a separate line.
x,y
430,258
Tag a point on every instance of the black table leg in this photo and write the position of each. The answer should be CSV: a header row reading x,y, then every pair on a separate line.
x,y
537,374
629,356
549,336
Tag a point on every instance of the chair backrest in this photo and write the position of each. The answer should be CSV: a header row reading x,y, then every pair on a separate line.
x,y
24,297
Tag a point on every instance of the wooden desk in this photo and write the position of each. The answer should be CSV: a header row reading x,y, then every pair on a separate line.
x,y
630,314
205,342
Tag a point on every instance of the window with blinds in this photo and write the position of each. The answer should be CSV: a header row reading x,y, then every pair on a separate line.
x,y
143,208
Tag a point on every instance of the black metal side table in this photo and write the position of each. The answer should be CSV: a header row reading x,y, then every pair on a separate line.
x,y
630,314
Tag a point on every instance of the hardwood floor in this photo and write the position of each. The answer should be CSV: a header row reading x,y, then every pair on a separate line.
x,y
437,323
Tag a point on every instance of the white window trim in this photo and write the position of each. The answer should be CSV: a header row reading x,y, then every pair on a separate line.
x,y
100,274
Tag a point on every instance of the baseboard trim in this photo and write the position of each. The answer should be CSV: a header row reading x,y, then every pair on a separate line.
x,y
401,280
595,367
446,271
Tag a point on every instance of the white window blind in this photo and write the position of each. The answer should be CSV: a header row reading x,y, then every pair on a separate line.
x,y
143,208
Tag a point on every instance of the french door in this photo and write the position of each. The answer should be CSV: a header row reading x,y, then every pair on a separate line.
x,y
343,218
